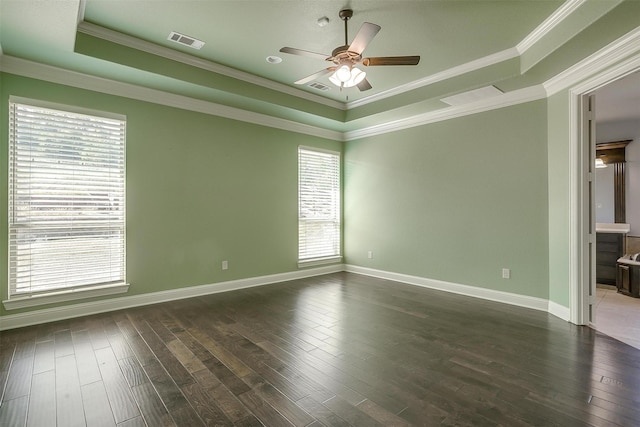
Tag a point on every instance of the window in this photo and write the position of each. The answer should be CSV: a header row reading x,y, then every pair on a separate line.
x,y
318,205
66,202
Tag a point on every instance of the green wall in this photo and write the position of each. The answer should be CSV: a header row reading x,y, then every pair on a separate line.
x,y
559,198
200,189
455,201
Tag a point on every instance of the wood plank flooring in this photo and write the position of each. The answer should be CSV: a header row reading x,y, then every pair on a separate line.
x,y
336,350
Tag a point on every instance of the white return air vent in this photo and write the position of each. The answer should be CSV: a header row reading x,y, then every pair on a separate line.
x,y
185,40
318,86
472,96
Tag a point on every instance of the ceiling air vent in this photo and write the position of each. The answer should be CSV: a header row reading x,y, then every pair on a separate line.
x,y
318,86
185,40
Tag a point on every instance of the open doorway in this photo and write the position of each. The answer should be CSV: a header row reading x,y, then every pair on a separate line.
x,y
617,204
584,106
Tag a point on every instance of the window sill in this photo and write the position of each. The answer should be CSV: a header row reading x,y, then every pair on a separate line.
x,y
319,261
65,295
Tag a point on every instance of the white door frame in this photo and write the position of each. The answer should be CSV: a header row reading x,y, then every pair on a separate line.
x,y
581,153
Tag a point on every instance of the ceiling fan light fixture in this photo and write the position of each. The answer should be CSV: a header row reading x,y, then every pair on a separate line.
x,y
345,57
346,77
357,75
343,74
333,79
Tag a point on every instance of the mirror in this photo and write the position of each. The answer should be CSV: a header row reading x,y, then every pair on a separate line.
x,y
612,155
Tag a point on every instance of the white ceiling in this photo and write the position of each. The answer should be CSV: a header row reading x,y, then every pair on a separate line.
x,y
620,100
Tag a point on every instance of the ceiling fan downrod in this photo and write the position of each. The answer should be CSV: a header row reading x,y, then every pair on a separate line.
x,y
345,15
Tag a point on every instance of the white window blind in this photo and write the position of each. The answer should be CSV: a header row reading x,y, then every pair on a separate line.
x,y
318,204
66,200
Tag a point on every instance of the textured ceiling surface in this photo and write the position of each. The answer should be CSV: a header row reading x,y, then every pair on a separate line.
x,y
463,45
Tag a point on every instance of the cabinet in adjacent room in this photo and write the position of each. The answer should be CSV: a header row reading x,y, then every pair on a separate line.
x,y
609,247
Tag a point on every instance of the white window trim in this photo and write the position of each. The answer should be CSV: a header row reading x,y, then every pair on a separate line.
x,y
65,295
314,262
334,258
84,292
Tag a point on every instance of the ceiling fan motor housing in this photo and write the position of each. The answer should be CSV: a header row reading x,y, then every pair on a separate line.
x,y
342,55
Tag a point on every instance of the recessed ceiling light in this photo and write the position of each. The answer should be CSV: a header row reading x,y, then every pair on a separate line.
x,y
274,59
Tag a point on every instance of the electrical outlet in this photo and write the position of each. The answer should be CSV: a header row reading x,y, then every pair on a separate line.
x,y
225,265
370,254
506,273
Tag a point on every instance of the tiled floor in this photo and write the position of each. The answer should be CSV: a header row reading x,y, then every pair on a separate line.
x,y
618,315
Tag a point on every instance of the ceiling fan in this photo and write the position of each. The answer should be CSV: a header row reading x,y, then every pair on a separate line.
x,y
345,58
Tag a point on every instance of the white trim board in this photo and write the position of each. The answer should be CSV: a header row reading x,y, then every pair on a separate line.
x,y
49,73
619,50
549,24
35,317
174,55
559,311
553,20
450,73
516,97
608,70
525,301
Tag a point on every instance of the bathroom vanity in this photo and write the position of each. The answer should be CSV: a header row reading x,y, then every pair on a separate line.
x,y
610,245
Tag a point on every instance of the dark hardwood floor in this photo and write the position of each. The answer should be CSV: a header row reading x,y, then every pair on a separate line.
x,y
335,350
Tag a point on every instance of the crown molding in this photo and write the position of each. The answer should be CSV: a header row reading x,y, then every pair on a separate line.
x,y
35,70
534,37
532,93
559,15
549,24
620,70
619,50
449,73
22,67
174,55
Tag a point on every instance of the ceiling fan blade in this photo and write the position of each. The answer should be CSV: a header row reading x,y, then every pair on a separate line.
x,y
364,85
294,51
314,76
365,35
391,60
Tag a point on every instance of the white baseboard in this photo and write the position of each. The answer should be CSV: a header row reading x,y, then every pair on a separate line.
x,y
559,311
472,291
35,317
